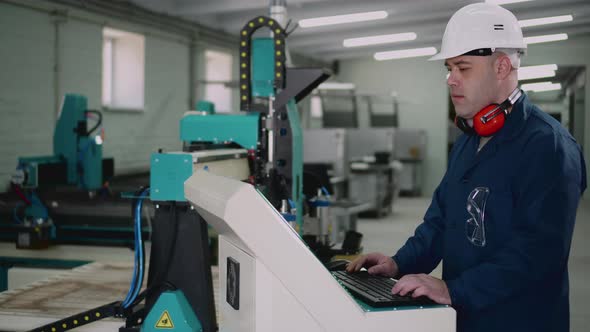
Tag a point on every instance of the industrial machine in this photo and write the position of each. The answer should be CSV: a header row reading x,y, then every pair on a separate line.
x,y
410,147
77,152
373,171
277,283
76,162
261,145
339,108
361,165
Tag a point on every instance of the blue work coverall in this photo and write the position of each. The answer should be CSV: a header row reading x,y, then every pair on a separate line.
x,y
535,174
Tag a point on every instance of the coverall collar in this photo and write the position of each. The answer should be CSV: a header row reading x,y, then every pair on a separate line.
x,y
515,123
516,120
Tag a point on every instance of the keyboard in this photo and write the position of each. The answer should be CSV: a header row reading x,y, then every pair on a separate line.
x,y
376,290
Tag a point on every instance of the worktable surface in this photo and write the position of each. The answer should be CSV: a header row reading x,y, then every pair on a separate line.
x,y
103,281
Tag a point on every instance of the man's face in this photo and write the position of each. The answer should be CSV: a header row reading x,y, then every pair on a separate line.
x,y
471,82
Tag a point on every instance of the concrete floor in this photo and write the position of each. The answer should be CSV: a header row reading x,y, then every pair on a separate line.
x,y
386,235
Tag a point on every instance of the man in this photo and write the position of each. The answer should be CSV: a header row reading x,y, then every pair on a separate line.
x,y
502,218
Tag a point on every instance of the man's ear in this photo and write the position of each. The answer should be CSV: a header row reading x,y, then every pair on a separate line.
x,y
502,67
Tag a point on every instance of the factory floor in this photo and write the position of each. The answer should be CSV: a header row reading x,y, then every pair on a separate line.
x,y
387,234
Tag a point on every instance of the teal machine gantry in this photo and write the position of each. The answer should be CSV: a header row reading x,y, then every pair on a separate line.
x,y
268,133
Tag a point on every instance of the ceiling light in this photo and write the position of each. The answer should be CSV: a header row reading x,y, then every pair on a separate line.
x,y
529,75
340,19
504,2
381,39
401,54
336,86
539,67
540,87
545,20
532,72
545,38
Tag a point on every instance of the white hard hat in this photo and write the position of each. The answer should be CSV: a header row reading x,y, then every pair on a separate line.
x,y
479,27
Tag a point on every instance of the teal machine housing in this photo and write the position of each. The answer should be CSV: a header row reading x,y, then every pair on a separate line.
x,y
240,128
76,161
263,64
77,152
168,171
171,312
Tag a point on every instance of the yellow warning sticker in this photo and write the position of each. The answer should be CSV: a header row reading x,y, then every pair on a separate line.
x,y
165,322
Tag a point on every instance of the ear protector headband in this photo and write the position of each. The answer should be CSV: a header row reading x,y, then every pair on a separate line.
x,y
490,119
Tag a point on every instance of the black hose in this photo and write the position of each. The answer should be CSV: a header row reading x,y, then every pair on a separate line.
x,y
98,123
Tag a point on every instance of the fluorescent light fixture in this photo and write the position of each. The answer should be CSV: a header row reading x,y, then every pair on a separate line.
x,y
529,75
504,2
377,40
341,19
401,54
545,20
336,86
540,87
532,72
545,38
539,67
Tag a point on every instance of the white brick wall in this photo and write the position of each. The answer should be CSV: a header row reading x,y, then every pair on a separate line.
x,y
27,115
27,105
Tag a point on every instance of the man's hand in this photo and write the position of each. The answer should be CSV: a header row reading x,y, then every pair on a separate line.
x,y
376,263
422,284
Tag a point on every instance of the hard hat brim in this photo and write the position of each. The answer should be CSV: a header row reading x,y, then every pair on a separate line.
x,y
443,56
439,56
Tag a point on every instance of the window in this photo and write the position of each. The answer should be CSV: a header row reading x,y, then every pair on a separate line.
x,y
123,62
218,76
316,107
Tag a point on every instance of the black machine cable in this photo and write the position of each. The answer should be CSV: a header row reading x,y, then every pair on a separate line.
x,y
160,279
99,121
163,286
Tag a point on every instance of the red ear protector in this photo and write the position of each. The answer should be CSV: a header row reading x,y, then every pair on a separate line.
x,y
489,120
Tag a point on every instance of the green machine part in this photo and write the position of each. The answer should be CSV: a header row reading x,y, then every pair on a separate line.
x,y
90,161
297,161
262,61
262,69
240,128
263,73
65,142
168,171
205,106
171,312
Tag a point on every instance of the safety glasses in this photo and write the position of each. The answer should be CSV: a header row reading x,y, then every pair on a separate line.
x,y
475,226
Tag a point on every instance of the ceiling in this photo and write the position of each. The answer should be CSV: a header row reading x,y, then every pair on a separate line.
x,y
427,18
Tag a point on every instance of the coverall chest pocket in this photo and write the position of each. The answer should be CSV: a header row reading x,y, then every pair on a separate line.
x,y
479,217
496,219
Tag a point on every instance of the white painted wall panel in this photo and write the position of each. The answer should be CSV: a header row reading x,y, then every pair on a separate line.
x,y
422,92
135,136
27,103
26,86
